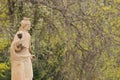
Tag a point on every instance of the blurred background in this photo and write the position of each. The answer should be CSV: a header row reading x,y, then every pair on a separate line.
x,y
72,39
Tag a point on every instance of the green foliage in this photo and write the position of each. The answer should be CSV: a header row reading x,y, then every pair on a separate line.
x,y
4,71
50,61
72,39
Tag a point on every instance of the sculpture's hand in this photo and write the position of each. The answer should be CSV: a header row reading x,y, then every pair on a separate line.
x,y
33,57
18,46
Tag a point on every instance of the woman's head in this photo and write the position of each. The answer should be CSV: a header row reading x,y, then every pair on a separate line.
x,y
25,24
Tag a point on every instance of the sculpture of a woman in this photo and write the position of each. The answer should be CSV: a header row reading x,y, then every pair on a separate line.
x,y
21,65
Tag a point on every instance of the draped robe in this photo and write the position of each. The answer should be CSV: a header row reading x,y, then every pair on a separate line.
x,y
21,65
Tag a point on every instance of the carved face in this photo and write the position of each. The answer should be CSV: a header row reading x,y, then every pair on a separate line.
x,y
25,24
27,27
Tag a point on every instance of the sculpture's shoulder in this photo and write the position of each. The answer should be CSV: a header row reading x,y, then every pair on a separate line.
x,y
24,33
19,32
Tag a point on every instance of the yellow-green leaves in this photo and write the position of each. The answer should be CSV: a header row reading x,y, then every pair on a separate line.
x,y
105,8
118,1
3,68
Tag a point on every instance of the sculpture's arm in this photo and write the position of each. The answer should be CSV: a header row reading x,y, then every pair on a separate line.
x,y
19,47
